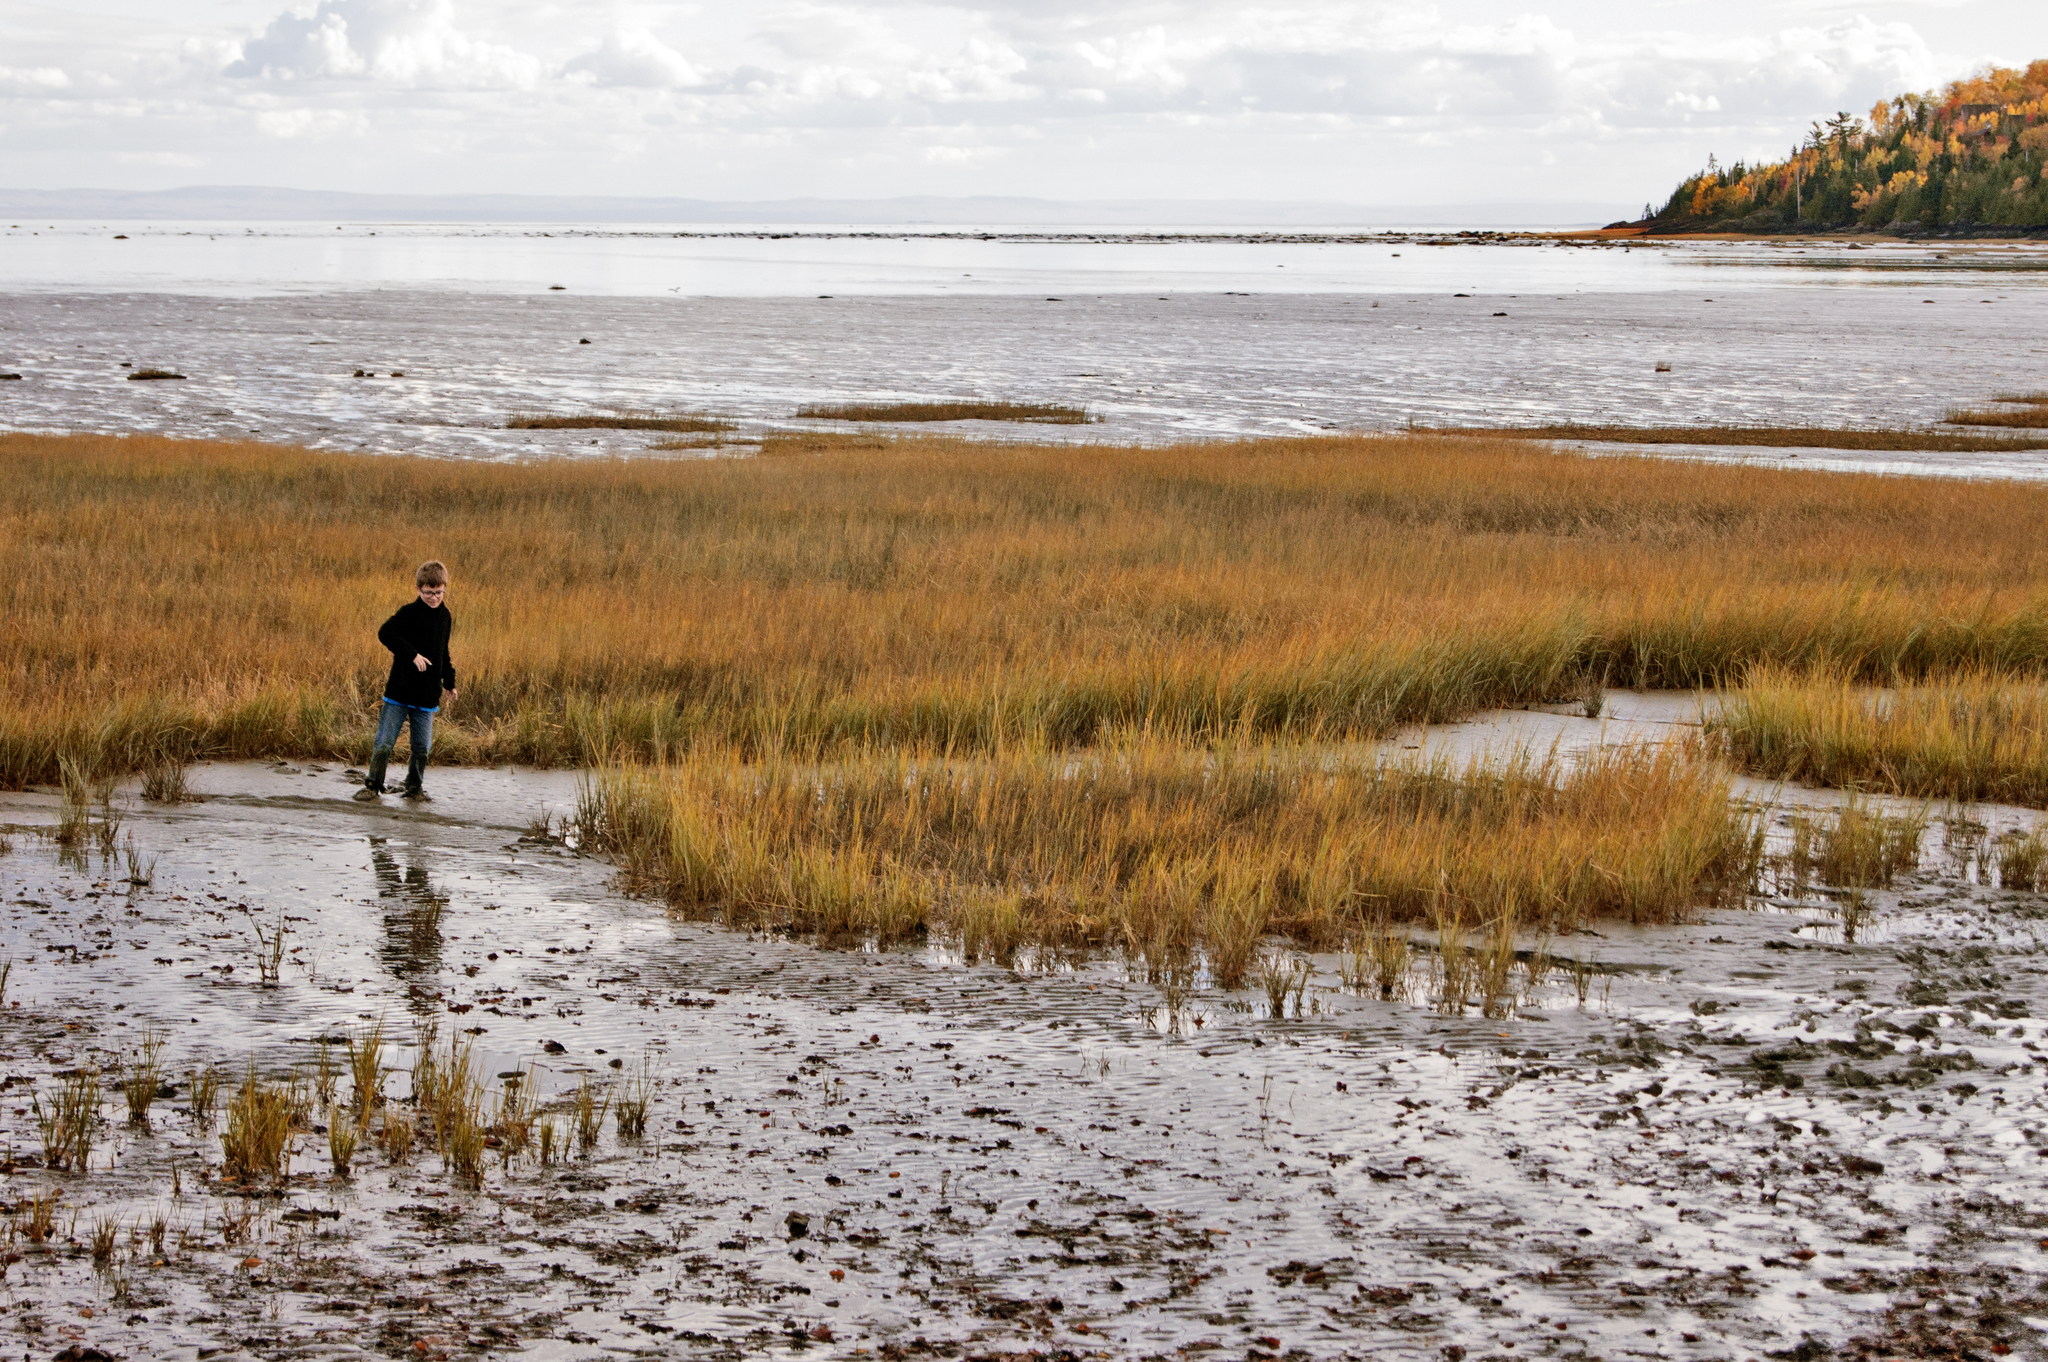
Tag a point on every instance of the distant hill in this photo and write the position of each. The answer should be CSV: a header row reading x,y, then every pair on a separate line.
x,y
244,203
1967,156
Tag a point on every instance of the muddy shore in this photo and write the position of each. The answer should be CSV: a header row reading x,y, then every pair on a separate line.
x,y
1742,1137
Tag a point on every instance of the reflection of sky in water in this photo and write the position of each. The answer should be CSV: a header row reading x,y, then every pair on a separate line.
x,y
1197,339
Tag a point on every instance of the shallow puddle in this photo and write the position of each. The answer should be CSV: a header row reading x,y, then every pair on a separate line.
x,y
1714,1141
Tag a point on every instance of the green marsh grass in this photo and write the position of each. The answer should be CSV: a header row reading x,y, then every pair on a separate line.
x,y
936,593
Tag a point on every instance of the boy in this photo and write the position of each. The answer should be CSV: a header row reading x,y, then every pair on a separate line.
x,y
418,639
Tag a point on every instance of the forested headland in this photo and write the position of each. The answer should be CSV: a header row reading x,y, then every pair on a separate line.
x,y
1964,157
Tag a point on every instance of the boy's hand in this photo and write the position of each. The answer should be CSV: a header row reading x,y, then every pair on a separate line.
x,y
419,661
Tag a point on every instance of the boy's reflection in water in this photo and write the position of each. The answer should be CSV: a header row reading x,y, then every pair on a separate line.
x,y
412,922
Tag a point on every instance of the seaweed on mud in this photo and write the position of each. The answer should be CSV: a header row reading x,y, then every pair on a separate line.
x,y
680,422
1038,413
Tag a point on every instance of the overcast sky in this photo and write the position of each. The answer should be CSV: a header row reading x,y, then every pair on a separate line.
x,y
763,99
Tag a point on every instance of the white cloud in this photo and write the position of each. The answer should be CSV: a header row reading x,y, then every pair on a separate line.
x,y
634,57
32,81
312,123
394,42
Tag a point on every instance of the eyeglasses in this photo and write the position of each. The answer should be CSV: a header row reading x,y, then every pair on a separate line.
x,y
433,591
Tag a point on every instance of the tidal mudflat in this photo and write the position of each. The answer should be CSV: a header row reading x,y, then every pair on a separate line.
x,y
428,341
1721,1139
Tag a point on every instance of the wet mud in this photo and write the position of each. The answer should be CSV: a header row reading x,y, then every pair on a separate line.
x,y
1215,341
1744,1137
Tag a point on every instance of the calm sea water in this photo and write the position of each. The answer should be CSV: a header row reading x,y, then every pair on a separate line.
x,y
1185,333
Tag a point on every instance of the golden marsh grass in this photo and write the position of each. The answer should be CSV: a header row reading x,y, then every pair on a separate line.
x,y
1788,437
1977,734
2026,416
175,599
1158,848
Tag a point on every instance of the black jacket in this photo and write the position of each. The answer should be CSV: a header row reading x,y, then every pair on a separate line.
x,y
417,630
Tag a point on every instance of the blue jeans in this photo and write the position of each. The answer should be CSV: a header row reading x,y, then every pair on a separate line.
x,y
389,722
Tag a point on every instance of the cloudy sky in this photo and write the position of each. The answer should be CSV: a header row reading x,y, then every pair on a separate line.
x,y
1366,103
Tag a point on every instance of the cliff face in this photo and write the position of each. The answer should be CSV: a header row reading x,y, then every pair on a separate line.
x,y
1967,156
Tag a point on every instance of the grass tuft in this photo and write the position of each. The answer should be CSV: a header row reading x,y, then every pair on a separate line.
x,y
144,1077
256,1145
70,1122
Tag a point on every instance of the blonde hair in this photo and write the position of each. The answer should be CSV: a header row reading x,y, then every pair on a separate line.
x,y
433,572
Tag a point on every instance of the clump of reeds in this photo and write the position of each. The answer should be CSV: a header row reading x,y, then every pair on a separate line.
x,y
342,1135
2023,860
326,1076
166,780
675,422
1856,846
587,1110
144,1076
106,1231
270,939
631,1108
448,1091
257,1142
1035,413
518,1105
36,1219
551,1141
1378,959
366,1072
70,1120
1451,962
1159,847
395,1136
205,1093
74,817
1970,735
1284,976
141,868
